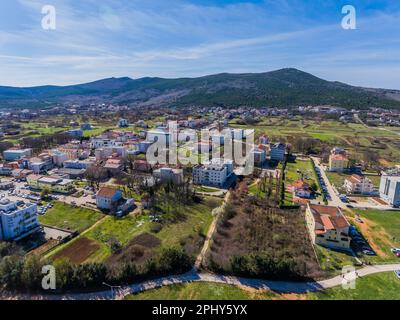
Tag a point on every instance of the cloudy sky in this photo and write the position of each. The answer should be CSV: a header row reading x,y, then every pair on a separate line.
x,y
97,39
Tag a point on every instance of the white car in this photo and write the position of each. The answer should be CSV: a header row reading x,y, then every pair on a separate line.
x,y
397,273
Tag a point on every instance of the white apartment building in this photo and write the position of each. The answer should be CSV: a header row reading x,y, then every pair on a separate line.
x,y
169,175
357,184
389,189
16,154
17,220
214,173
159,135
96,143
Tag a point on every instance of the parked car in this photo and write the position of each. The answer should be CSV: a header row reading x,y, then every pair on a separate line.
x,y
397,273
368,252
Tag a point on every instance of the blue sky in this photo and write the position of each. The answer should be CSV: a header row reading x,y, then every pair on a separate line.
x,y
183,38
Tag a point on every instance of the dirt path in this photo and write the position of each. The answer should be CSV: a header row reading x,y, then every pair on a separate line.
x,y
217,212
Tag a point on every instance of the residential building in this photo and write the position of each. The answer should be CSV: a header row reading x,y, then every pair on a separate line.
x,y
59,157
79,164
6,185
75,133
17,220
160,135
123,123
142,166
338,160
68,173
5,170
144,146
389,189
300,189
86,126
264,139
259,156
277,151
107,198
54,184
17,154
328,227
96,143
21,174
357,184
114,165
39,164
214,173
166,175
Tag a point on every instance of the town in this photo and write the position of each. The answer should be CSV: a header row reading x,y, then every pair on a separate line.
x,y
83,191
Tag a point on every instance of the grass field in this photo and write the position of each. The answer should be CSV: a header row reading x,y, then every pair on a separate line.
x,y
333,261
195,223
382,286
356,138
70,218
382,230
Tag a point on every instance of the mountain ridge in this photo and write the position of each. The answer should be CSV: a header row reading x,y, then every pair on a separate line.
x,y
281,88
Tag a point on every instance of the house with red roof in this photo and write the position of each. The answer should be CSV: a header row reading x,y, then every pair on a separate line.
x,y
328,227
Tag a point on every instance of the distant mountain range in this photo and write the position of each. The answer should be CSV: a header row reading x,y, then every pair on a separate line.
x,y
281,88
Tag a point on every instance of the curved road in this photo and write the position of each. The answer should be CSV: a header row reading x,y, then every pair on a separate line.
x,y
193,276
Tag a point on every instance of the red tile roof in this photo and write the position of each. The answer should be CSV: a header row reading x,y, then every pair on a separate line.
x,y
107,192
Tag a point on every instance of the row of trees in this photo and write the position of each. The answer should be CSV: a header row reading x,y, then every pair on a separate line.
x,y
24,273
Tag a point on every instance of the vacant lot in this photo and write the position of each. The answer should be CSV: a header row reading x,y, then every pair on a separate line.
x,y
382,231
78,251
70,218
253,239
137,238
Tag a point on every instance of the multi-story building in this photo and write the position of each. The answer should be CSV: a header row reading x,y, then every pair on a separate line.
x,y
389,189
79,164
160,135
278,151
328,227
174,176
338,160
17,220
214,173
58,157
54,184
107,198
123,123
75,133
39,164
259,156
5,170
16,154
358,185
96,143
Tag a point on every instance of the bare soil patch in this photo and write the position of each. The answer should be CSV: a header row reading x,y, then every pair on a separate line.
x,y
79,251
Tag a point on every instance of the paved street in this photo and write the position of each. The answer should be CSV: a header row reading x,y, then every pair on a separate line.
x,y
193,276
336,202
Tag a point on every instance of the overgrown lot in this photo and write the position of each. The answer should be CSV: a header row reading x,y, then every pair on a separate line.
x,y
255,240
